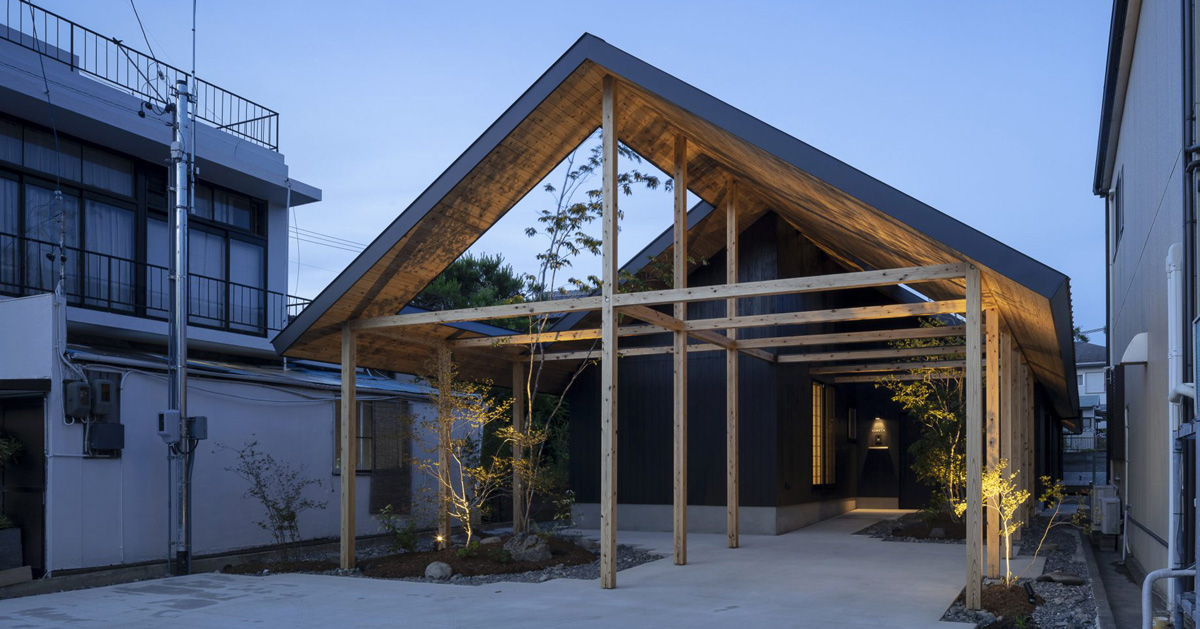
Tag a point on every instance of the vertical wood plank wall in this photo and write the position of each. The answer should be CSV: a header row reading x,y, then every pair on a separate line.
x,y
680,353
608,339
974,377
349,449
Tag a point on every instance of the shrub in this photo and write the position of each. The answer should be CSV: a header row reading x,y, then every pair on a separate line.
x,y
278,487
402,529
469,550
6,523
499,554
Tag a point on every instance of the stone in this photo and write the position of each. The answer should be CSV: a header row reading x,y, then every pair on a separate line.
x,y
488,541
527,548
590,545
1062,577
439,570
937,532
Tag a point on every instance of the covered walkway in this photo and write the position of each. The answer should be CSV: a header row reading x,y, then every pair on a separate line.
x,y
820,576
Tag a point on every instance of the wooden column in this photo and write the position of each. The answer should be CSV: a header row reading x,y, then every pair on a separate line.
x,y
608,338
974,382
1008,410
349,445
731,370
680,353
1028,416
445,410
991,319
519,384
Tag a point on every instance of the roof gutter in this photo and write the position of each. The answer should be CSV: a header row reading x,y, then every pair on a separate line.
x,y
1122,33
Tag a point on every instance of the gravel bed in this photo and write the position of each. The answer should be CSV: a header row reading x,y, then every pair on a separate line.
x,y
883,530
1065,606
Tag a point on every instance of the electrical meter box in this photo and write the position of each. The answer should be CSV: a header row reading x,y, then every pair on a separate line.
x,y
168,426
106,436
77,399
103,397
198,428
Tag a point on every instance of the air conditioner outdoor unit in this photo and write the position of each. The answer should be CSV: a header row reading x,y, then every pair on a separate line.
x,y
1110,516
1099,494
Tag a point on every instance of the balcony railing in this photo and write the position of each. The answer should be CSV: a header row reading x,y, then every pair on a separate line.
x,y
110,61
114,284
1084,443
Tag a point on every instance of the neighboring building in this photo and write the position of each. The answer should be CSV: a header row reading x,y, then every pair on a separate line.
x,y
93,491
1084,444
1145,171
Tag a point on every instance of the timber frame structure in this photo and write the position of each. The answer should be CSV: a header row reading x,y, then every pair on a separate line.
x,y
1012,312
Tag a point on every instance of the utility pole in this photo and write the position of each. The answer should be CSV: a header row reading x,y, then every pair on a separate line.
x,y
177,438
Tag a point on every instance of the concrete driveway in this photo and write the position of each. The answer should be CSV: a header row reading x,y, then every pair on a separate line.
x,y
821,576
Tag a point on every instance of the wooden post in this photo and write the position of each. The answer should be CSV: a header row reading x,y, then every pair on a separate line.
x,y
1011,446
349,445
1028,418
518,450
608,338
680,353
974,377
445,410
991,319
731,370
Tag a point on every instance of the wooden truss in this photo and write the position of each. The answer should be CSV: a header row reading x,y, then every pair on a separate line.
x,y
1007,431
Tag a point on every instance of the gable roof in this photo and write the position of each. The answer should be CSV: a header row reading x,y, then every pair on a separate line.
x,y
857,219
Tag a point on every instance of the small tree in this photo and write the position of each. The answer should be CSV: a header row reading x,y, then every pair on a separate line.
x,y
937,401
471,477
278,487
1002,495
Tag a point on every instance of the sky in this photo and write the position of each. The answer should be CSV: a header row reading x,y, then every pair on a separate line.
x,y
989,112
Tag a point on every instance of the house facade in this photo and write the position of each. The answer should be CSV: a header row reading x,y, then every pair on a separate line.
x,y
84,290
1145,172
1085,444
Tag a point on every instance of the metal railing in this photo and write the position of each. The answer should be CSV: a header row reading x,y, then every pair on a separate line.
x,y
110,61
1084,443
114,284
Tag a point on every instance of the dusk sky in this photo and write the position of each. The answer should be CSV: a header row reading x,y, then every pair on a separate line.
x,y
986,111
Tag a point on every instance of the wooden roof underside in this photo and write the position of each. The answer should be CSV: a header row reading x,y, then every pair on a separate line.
x,y
518,151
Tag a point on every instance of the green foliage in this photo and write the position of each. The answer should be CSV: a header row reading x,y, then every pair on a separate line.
x,y
499,554
10,447
474,281
1022,622
937,401
6,523
469,550
278,487
1003,495
1077,332
402,529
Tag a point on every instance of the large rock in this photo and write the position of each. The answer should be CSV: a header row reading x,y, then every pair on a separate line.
x,y
1062,577
488,541
937,532
439,570
527,548
590,545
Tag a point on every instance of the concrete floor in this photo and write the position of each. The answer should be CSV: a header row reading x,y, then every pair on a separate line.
x,y
1124,596
820,576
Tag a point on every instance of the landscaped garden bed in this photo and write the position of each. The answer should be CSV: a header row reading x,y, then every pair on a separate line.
x,y
921,526
569,556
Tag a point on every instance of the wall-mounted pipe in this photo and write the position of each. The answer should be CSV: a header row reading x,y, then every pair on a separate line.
x,y
1175,293
1148,590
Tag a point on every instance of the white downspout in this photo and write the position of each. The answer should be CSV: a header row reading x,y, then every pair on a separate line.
x,y
1175,392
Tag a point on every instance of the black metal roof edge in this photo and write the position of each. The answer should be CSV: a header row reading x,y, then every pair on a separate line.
x,y
420,207
874,193
1116,40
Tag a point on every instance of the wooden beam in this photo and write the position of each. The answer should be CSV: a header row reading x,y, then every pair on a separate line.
x,y
837,338
608,332
680,358
903,377
594,354
348,446
872,354
974,428
862,313
520,385
1010,446
445,399
889,366
588,334
817,283
679,326
991,319
504,311
732,381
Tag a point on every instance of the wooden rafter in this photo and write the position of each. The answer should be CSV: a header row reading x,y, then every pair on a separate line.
x,y
889,366
872,354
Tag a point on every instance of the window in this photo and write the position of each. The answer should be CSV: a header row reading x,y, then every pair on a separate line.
x,y
366,437
10,250
109,251
1094,382
1079,380
46,217
223,206
822,434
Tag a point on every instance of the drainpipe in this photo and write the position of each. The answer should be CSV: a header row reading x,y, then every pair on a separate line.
x,y
1175,290
1148,590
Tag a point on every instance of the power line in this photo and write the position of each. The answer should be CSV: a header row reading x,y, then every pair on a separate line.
x,y
308,232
